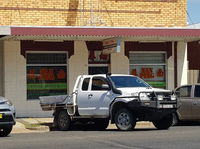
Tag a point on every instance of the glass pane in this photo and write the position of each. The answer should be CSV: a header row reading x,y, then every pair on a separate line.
x,y
152,74
147,58
197,91
97,83
44,58
85,84
127,81
98,70
46,81
185,91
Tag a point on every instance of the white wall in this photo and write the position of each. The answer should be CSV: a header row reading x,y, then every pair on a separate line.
x,y
1,68
78,63
120,62
15,82
193,76
182,64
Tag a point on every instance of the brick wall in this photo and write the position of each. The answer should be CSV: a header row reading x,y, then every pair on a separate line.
x,y
126,13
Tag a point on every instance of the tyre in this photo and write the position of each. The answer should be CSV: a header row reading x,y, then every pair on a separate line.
x,y
5,131
164,123
175,119
124,120
101,124
63,120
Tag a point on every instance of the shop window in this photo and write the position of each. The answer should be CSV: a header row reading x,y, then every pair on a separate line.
x,y
151,67
46,74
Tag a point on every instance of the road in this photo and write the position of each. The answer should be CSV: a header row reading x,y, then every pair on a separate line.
x,y
180,137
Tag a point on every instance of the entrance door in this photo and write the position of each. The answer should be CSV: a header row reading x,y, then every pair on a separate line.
x,y
98,70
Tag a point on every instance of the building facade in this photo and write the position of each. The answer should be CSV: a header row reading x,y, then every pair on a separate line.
x,y
45,45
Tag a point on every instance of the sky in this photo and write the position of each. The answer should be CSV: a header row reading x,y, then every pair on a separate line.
x,y
193,9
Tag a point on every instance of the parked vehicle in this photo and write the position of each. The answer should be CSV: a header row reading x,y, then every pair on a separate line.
x,y
189,99
7,116
123,99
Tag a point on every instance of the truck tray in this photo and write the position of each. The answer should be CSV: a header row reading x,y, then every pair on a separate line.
x,y
48,103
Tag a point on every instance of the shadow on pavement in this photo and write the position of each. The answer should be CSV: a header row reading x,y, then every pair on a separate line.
x,y
187,123
90,127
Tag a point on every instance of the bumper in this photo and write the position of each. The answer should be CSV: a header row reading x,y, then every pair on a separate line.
x,y
7,119
152,110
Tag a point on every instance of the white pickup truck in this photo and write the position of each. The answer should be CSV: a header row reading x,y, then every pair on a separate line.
x,y
123,99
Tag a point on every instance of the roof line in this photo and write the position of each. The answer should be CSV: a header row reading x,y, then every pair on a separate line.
x,y
102,27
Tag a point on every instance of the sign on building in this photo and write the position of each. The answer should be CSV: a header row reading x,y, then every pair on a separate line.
x,y
112,45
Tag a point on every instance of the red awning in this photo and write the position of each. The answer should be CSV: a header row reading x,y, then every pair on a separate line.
x,y
115,32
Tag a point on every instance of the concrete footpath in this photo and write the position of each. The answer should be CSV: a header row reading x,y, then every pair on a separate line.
x,y
39,125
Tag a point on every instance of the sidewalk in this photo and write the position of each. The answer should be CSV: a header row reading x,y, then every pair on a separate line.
x,y
36,125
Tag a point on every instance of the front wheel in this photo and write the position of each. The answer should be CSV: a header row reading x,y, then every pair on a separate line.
x,y
124,120
5,131
164,123
63,120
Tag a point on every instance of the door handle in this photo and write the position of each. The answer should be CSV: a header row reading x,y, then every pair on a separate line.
x,y
90,95
194,103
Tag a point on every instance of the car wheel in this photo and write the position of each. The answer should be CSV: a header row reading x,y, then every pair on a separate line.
x,y
5,131
124,120
101,124
63,120
164,123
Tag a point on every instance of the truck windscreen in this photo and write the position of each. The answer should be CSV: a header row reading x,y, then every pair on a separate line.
x,y
128,81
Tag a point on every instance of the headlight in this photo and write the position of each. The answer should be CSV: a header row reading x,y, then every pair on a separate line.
x,y
160,97
9,102
173,97
143,96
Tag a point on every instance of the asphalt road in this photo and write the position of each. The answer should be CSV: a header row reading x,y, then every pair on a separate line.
x,y
180,137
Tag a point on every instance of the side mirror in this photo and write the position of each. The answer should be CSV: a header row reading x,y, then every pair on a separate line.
x,y
105,87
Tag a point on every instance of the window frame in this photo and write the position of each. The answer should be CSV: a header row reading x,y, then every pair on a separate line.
x,y
88,87
184,87
102,78
195,89
47,65
152,64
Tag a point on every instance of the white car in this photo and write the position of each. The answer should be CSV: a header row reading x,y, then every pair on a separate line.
x,y
7,116
123,99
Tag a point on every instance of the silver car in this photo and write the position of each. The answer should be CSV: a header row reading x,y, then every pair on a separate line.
x,y
7,116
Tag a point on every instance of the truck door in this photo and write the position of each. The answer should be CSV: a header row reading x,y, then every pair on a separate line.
x,y
184,96
82,97
196,103
100,97
92,98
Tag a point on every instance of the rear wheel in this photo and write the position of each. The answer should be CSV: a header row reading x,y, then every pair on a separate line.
x,y
5,131
63,120
164,123
124,120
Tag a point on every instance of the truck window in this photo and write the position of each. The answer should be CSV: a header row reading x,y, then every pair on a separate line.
x,y
97,83
184,91
85,84
128,81
197,91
